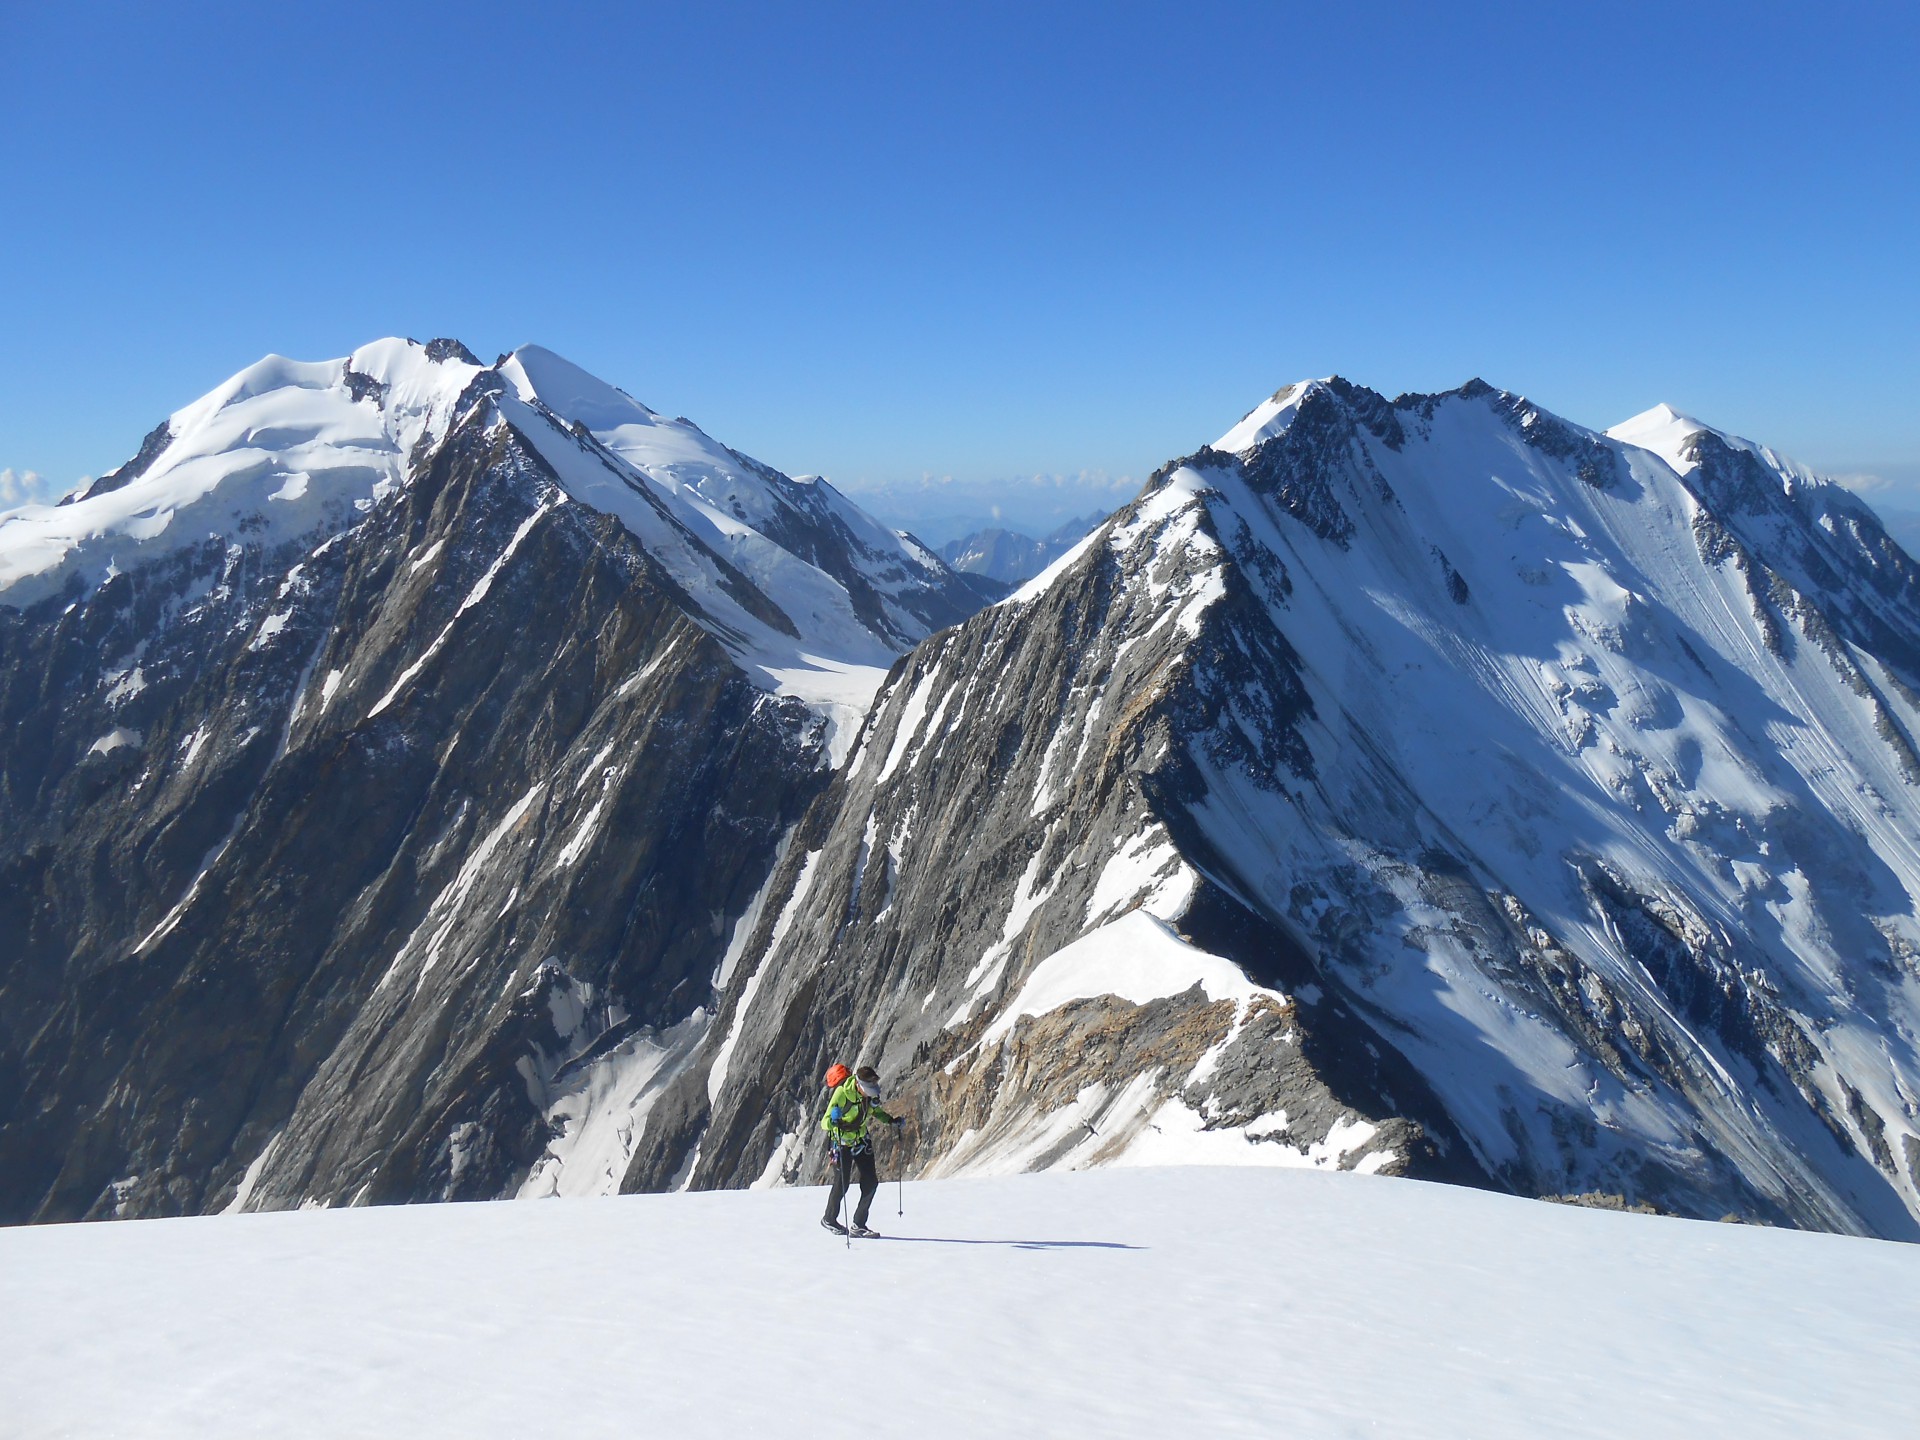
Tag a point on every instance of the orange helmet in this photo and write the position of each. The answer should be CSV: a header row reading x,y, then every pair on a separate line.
x,y
837,1074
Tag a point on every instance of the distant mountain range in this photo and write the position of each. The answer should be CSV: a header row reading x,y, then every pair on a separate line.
x,y
1010,557
425,779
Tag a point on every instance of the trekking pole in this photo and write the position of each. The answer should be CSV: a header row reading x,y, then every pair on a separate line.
x,y
840,1160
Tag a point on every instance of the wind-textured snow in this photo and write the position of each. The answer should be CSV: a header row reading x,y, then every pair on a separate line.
x,y
1130,1303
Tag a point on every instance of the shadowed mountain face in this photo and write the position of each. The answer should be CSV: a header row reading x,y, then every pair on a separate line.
x,y
434,780
331,837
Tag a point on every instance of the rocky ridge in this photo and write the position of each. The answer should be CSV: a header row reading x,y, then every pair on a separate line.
x,y
1430,786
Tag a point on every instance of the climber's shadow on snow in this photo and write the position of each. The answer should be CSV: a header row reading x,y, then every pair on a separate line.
x,y
1014,1244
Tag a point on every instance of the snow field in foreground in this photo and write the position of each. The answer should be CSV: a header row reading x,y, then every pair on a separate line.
x,y
1138,1303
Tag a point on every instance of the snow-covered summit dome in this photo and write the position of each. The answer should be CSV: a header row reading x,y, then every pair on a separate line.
x,y
280,449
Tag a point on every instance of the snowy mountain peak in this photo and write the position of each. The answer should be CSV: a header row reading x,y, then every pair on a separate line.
x,y
282,448
1585,776
1664,431
536,373
1661,414
1270,417
810,594
1737,476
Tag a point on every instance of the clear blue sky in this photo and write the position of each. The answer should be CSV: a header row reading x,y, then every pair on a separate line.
x,y
883,241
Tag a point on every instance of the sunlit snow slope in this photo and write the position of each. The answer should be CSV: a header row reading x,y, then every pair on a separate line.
x,y
1149,1303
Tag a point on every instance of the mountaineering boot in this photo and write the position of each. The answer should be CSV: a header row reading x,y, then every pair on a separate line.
x,y
861,1232
835,1226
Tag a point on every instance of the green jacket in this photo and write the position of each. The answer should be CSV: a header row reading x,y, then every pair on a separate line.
x,y
848,1112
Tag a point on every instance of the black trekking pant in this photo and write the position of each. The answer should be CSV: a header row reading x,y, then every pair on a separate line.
x,y
845,1163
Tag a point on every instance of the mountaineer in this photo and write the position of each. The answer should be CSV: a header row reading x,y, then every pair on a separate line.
x,y
853,1100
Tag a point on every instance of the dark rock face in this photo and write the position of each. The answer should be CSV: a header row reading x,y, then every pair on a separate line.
x,y
1821,542
323,861
448,349
352,970
964,845
1297,467
157,440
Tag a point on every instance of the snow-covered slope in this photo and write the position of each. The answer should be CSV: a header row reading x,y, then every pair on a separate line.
x,y
1642,714
1557,792
1145,1303
384,759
